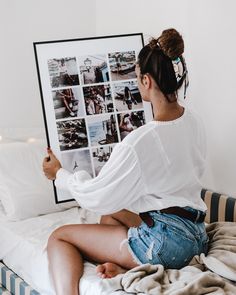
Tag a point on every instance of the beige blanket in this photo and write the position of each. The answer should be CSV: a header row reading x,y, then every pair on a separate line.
x,y
211,274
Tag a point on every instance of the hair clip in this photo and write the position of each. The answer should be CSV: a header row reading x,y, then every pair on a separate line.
x,y
181,72
158,44
178,68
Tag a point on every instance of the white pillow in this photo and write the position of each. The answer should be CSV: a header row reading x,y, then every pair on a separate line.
x,y
24,190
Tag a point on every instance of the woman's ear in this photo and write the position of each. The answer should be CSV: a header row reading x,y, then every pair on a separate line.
x,y
147,82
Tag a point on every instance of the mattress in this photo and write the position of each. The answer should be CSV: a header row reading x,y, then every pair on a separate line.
x,y
22,250
12,284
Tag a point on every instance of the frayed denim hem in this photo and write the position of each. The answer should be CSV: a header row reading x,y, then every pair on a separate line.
x,y
131,233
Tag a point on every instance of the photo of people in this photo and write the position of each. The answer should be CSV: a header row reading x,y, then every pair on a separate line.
x,y
68,103
122,65
100,156
127,96
93,69
63,72
129,122
102,129
72,134
98,99
77,160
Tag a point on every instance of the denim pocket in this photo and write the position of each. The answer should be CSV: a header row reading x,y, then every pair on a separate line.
x,y
176,224
177,250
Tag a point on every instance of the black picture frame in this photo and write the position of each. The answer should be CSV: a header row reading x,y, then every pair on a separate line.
x,y
82,85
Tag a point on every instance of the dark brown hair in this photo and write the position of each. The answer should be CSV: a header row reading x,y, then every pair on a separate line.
x,y
156,59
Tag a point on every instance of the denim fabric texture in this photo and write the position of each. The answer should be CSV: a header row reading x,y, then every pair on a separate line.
x,y
172,241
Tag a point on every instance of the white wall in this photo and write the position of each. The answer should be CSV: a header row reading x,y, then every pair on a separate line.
x,y
212,25
209,30
148,17
21,23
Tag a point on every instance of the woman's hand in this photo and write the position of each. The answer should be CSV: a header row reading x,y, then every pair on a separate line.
x,y
51,165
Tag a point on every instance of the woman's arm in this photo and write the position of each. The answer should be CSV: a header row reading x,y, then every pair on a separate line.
x,y
118,184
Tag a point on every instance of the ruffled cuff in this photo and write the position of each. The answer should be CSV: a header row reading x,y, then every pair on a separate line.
x,y
61,181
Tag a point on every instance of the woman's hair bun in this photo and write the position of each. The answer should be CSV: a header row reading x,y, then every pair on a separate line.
x,y
171,43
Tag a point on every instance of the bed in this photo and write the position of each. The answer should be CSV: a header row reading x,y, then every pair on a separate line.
x,y
25,229
23,251
28,215
27,239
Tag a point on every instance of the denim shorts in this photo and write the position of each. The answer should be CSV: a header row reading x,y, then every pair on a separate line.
x,y
172,241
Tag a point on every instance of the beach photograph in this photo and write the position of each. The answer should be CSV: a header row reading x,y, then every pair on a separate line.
x,y
102,129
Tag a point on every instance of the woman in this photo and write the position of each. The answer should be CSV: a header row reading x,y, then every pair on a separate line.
x,y
67,97
153,172
101,106
128,98
65,78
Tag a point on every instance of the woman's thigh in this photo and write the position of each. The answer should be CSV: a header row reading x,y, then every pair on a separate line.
x,y
124,217
98,242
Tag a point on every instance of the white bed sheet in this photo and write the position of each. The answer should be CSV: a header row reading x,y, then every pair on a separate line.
x,y
3,216
22,249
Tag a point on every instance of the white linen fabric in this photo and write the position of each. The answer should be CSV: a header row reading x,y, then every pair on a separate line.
x,y
158,165
24,190
22,249
2,213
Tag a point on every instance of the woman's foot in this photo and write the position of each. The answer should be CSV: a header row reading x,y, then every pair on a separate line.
x,y
109,270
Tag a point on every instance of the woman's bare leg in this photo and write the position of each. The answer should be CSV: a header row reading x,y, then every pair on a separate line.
x,y
123,217
69,244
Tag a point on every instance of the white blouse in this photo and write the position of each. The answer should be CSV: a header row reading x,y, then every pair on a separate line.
x,y
158,165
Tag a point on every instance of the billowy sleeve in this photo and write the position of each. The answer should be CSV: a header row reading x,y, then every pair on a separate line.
x,y
118,184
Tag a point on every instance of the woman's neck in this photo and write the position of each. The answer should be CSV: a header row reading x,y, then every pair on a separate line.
x,y
166,111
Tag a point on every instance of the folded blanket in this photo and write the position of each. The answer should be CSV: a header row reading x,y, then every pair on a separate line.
x,y
211,274
221,257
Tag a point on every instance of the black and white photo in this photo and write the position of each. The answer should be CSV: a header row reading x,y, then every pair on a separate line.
x,y
102,130
127,96
68,103
93,69
128,122
98,99
77,160
63,72
100,156
122,65
72,134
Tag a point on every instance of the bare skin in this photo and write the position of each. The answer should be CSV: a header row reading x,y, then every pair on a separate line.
x,y
69,245
123,217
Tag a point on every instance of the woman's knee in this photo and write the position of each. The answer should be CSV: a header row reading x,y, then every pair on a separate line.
x,y
56,235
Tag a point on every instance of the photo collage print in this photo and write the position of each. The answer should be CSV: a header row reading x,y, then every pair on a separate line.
x,y
96,104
